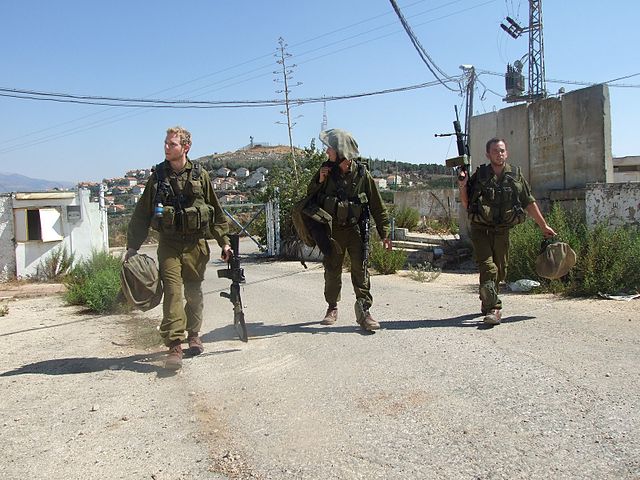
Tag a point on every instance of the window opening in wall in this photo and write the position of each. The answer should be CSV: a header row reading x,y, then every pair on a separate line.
x,y
34,232
38,224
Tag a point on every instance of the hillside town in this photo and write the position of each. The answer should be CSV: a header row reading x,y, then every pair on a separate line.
x,y
238,185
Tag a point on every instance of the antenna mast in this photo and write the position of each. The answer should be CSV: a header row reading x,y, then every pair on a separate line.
x,y
287,75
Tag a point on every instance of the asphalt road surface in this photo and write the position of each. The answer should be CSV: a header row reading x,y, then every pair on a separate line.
x,y
551,393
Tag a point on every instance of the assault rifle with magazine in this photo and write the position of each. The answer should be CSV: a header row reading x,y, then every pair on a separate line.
x,y
235,273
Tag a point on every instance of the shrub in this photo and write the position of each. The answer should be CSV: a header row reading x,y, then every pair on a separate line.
x,y
386,261
609,262
608,259
290,189
95,283
438,226
54,266
405,217
423,272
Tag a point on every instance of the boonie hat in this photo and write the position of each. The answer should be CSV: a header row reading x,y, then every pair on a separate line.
x,y
555,260
341,141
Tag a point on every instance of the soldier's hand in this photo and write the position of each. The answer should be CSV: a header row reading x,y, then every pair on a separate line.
x,y
462,179
227,253
130,253
548,232
324,171
386,243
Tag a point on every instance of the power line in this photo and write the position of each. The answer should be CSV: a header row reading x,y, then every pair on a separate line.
x,y
426,58
578,82
121,116
249,104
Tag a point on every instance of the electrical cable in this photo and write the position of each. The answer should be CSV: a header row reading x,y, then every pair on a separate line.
x,y
426,58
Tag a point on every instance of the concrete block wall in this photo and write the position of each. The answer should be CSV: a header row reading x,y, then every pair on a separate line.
x,y
559,143
546,155
512,121
586,120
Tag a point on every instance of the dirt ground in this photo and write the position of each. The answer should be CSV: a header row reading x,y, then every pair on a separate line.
x,y
553,392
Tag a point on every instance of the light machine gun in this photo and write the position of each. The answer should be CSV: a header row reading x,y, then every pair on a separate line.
x,y
236,274
462,161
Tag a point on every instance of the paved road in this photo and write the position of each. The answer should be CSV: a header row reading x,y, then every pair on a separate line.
x,y
553,392
550,393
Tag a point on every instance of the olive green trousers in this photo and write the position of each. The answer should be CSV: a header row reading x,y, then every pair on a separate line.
x,y
349,240
182,264
491,252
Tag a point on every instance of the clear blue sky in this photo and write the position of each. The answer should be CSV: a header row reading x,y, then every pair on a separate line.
x,y
215,50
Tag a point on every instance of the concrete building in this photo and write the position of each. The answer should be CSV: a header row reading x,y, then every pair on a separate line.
x,y
32,225
626,169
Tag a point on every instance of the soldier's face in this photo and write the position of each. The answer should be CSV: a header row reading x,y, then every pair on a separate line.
x,y
173,149
332,154
497,154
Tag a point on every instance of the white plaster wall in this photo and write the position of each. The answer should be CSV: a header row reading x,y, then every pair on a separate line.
x,y
613,204
7,256
87,235
81,237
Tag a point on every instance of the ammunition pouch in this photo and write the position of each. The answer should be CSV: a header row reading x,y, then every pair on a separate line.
x,y
346,212
166,223
496,205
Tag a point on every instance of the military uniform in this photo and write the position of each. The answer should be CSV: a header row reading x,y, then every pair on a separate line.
x,y
345,197
191,214
496,204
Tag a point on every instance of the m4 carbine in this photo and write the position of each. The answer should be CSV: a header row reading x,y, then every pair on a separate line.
x,y
236,274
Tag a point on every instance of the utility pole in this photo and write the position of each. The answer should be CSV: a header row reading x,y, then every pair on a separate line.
x,y
514,79
537,87
470,77
325,122
287,75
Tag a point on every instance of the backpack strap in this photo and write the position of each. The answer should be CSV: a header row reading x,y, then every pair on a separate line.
x,y
196,171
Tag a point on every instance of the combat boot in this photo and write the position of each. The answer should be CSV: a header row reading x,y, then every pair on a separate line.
x,y
367,322
494,317
195,344
330,317
174,359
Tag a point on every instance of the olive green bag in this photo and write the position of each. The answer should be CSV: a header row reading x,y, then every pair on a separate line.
x,y
140,281
555,260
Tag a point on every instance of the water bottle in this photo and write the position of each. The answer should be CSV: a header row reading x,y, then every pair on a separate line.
x,y
158,210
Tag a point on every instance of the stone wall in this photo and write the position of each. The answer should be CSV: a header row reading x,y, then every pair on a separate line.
x,y
7,247
613,204
437,204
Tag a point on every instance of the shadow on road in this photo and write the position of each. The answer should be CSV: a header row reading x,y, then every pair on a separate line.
x,y
261,330
469,320
142,363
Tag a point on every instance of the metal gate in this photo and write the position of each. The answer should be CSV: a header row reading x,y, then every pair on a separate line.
x,y
271,211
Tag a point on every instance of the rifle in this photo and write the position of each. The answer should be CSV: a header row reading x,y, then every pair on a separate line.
x,y
461,162
236,274
365,233
364,224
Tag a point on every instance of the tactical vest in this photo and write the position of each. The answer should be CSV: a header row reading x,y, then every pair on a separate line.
x,y
496,203
346,207
184,211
